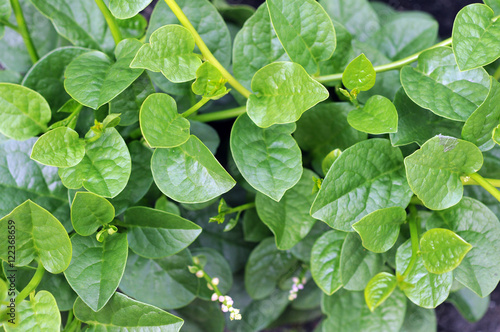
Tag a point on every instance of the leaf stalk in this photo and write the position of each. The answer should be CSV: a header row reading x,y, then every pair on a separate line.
x,y
486,185
220,115
413,220
23,30
110,19
195,107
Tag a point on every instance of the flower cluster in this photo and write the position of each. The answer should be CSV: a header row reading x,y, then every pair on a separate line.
x,y
227,306
298,284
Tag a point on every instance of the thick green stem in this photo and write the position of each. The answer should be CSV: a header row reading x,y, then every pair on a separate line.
x,y
195,107
207,54
414,239
468,180
220,115
240,208
486,185
32,285
23,30
390,66
110,19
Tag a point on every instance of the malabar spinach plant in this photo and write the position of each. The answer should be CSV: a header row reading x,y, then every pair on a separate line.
x,y
351,179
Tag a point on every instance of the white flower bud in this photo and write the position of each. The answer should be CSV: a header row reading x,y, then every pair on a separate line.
x,y
300,286
215,297
221,298
209,286
295,280
215,281
237,317
200,274
224,308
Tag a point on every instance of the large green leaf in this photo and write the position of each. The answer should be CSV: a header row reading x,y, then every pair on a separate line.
x,y
97,268
25,113
325,261
438,85
165,282
366,177
90,211
493,4
379,288
93,79
429,290
39,236
269,159
200,316
377,116
60,147
161,125
359,74
476,37
289,219
156,234
418,319
470,306
126,8
474,222
256,319
122,312
190,173
305,31
253,228
482,122
379,230
434,171
283,91
265,267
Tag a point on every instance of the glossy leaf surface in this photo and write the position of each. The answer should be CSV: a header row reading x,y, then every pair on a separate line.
x,y
60,147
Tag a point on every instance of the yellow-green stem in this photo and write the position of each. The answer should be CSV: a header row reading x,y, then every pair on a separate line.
x,y
195,107
110,19
220,115
467,180
23,30
486,185
207,54
32,285
413,220
240,208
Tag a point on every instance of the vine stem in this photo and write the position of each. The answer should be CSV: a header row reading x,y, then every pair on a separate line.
x,y
110,19
23,30
195,107
486,185
382,68
414,239
221,115
204,49
240,208
32,285
467,180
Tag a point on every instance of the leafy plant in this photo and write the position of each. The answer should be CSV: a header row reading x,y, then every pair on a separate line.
x,y
357,184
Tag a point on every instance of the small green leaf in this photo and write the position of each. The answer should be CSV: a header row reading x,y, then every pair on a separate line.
x,y
25,113
101,265
139,316
325,261
434,171
442,250
156,234
125,9
161,125
379,230
60,147
209,82
39,236
379,288
377,116
305,31
111,120
359,74
283,91
93,79
190,173
170,51
269,159
90,211
476,37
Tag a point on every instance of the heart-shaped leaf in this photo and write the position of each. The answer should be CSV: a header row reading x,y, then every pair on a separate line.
x,y
283,91
209,82
170,51
90,211
377,116
379,288
60,147
359,74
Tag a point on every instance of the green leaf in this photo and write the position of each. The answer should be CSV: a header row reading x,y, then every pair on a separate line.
x,y
283,91
379,288
325,261
357,265
60,147
269,159
289,218
164,282
434,171
377,116
90,211
329,160
156,234
38,314
305,31
5,9
438,84
200,316
474,222
170,51
97,268
253,228
379,230
476,37
39,236
206,134
470,306
25,113
493,4
359,74
265,267
125,9
104,170
161,125
429,290
417,125
216,267
255,46
93,79
479,126
209,82
138,316
362,181
256,319
190,173
418,319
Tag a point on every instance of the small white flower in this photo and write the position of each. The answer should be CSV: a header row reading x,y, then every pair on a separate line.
x,y
295,280
237,317
232,316
200,274
292,297
221,298
300,286
224,308
215,297
215,281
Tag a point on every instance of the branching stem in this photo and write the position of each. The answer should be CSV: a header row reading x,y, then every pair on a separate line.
x,y
240,208
23,30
